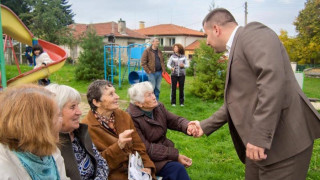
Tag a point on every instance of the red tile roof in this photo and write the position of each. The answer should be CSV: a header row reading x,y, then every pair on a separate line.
x,y
103,29
169,29
193,45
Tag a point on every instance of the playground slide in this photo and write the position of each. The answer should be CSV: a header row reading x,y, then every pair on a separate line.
x,y
167,77
14,27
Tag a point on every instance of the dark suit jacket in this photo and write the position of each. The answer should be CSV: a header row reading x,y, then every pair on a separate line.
x,y
264,104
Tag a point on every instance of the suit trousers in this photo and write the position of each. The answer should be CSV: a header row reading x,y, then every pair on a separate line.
x,y
293,168
174,80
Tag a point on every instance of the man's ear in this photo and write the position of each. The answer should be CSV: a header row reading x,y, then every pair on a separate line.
x,y
96,103
216,29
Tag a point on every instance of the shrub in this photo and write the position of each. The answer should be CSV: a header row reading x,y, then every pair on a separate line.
x,y
210,73
190,70
91,59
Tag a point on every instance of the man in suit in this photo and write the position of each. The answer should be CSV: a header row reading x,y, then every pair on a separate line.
x,y
272,123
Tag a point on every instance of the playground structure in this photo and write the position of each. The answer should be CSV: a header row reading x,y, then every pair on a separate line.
x,y
13,27
134,54
116,55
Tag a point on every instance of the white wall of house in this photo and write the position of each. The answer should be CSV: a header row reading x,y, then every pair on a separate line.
x,y
74,52
184,40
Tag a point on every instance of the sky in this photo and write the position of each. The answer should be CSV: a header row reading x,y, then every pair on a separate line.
x,y
277,14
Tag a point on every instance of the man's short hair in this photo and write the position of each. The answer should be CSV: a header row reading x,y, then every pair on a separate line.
x,y
152,39
219,16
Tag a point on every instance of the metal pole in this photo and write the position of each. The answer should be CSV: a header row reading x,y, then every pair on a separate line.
x,y
245,12
2,61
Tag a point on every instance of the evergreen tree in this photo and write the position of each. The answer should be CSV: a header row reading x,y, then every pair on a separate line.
x,y
48,19
210,73
91,59
66,9
18,7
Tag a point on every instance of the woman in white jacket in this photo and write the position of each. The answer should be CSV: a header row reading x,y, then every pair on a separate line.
x,y
29,126
177,63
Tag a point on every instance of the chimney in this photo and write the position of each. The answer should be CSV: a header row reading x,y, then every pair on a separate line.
x,y
141,24
122,26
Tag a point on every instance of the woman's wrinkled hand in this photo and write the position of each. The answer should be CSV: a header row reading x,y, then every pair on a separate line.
x,y
184,160
146,170
124,138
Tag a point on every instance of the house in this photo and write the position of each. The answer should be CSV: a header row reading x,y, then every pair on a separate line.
x,y
189,50
170,34
112,33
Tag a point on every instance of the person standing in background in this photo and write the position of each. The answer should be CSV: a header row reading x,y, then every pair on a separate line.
x,y
153,63
177,63
28,55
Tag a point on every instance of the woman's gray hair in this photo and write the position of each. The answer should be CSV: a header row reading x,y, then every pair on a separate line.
x,y
64,94
136,91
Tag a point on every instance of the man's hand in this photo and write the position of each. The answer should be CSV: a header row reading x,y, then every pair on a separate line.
x,y
194,129
184,160
124,138
255,153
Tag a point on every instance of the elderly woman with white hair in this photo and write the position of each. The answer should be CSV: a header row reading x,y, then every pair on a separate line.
x,y
152,120
82,160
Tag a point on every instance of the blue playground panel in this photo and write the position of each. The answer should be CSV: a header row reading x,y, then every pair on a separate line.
x,y
134,52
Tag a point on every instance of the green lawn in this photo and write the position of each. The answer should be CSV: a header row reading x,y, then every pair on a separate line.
x,y
213,157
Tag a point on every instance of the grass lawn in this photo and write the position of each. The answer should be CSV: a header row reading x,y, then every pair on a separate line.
x,y
214,157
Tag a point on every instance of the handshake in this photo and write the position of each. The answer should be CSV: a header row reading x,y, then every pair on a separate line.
x,y
194,129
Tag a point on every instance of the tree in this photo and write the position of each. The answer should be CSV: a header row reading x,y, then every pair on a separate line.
x,y
308,26
292,45
48,19
18,7
210,73
66,9
91,60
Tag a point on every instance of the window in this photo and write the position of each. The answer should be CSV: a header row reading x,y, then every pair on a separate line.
x,y
172,41
161,41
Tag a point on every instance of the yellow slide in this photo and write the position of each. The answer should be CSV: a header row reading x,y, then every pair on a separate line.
x,y
14,27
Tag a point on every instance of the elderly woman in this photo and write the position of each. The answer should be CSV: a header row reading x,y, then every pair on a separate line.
x,y
152,120
29,126
112,131
83,161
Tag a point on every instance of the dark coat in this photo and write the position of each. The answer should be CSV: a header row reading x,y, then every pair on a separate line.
x,y
67,153
107,144
153,132
148,61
